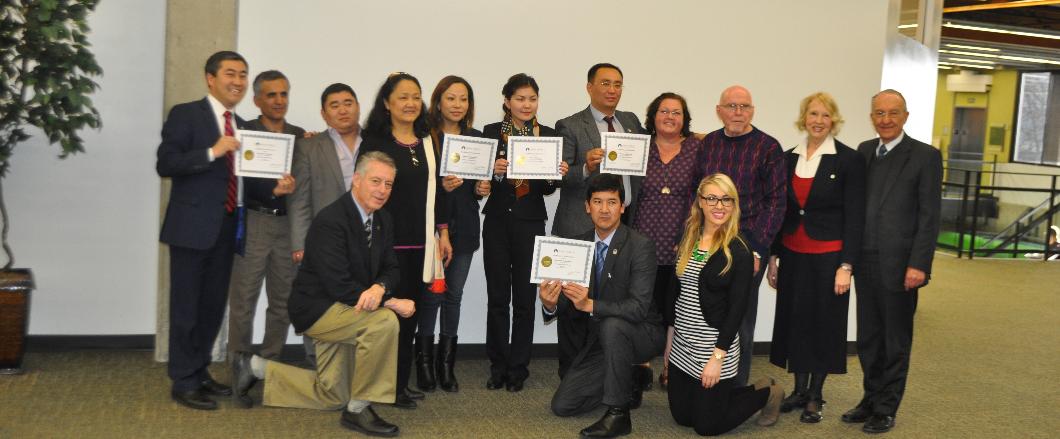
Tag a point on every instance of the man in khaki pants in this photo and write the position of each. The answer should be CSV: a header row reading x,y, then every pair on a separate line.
x,y
341,299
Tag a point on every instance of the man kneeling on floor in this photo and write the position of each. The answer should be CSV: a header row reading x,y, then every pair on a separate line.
x,y
341,299
623,329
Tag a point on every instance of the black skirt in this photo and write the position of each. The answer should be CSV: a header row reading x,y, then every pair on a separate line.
x,y
810,326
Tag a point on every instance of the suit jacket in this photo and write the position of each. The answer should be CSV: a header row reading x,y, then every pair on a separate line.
x,y
581,134
722,297
502,198
338,263
903,199
318,183
627,283
835,208
200,186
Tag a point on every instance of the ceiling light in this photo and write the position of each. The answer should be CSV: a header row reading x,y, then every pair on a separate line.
x,y
1004,57
907,26
1000,31
965,65
961,46
979,61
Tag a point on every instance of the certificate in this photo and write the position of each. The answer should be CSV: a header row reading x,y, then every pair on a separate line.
x,y
625,154
263,154
468,157
569,260
534,158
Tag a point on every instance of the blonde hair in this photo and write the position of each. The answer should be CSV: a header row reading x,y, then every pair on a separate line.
x,y
694,225
829,104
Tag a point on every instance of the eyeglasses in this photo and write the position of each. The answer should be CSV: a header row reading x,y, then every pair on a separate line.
x,y
879,114
734,107
713,200
609,84
675,113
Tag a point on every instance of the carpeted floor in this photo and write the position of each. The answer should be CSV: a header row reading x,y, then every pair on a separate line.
x,y
985,362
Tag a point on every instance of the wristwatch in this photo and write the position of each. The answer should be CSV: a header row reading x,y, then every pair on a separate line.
x,y
718,356
846,267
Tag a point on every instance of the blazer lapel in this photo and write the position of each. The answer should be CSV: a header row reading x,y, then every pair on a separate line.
x,y
628,121
592,131
208,118
825,169
331,159
897,159
614,251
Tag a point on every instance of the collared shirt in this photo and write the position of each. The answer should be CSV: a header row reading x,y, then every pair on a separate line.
x,y
598,116
889,146
347,158
807,167
219,115
365,216
606,240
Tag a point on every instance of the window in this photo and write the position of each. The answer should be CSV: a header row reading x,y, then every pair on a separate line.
x,y
1038,119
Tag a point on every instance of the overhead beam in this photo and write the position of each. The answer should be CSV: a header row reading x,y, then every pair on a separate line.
x,y
1005,5
969,34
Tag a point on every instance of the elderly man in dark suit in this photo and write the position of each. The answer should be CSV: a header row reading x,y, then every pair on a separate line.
x,y
623,328
342,300
903,198
582,151
198,140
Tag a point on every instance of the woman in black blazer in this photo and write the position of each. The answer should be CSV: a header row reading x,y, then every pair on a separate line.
x,y
515,215
817,250
452,111
709,298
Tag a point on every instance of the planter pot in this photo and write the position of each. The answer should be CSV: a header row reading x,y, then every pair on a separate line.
x,y
15,287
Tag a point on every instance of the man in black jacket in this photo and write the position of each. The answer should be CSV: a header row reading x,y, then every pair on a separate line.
x,y
338,298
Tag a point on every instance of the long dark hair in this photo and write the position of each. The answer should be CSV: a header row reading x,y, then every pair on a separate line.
x,y
434,115
378,124
653,107
517,81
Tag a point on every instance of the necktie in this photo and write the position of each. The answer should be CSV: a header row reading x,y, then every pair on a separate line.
x,y
368,231
230,200
601,255
882,151
610,125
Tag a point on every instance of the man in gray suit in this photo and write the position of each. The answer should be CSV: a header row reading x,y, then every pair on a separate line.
x,y
323,166
903,199
582,151
623,327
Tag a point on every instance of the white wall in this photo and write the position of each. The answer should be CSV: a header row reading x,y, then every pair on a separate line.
x,y
88,225
781,51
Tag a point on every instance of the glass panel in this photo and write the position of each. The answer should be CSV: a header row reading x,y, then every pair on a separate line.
x,y
1030,121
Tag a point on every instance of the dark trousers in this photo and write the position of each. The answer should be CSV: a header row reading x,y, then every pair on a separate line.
x,y
747,327
508,246
198,292
715,410
448,302
572,334
603,370
885,337
411,286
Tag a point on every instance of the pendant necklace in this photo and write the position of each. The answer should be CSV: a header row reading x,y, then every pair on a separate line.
x,y
666,175
412,150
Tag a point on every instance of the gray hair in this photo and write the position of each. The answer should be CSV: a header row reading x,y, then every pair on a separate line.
x,y
889,91
373,156
268,75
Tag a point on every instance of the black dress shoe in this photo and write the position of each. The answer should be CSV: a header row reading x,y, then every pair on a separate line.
x,y
643,376
214,388
243,379
614,423
194,399
515,385
403,401
368,422
495,382
857,415
812,413
794,401
878,424
414,394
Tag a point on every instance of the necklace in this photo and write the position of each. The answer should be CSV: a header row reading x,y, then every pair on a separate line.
x,y
700,255
666,175
412,150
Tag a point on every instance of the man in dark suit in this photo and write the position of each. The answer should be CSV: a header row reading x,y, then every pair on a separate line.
x,y
582,151
623,328
198,140
267,254
903,198
342,300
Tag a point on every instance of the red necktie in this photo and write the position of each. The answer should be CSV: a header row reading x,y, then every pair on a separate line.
x,y
230,201
610,126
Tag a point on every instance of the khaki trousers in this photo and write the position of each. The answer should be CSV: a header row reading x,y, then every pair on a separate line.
x,y
267,258
356,359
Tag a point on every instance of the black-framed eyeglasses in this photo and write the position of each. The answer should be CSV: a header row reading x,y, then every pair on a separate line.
x,y
713,200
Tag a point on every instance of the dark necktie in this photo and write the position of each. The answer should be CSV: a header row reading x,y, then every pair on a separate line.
x,y
882,151
368,231
230,200
601,255
610,125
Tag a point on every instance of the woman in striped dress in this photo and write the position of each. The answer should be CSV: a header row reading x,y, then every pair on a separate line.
x,y
714,270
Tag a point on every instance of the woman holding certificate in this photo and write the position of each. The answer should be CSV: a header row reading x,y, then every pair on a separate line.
x,y
397,126
818,248
515,215
714,272
451,113
666,192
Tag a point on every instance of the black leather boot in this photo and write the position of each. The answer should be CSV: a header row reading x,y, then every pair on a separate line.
x,y
425,363
445,362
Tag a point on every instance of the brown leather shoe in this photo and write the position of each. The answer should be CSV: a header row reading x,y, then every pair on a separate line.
x,y
771,412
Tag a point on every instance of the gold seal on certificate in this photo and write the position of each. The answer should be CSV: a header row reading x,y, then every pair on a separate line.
x,y
535,158
468,157
565,260
627,154
264,154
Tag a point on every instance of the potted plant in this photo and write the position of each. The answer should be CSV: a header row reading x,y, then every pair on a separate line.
x,y
46,72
